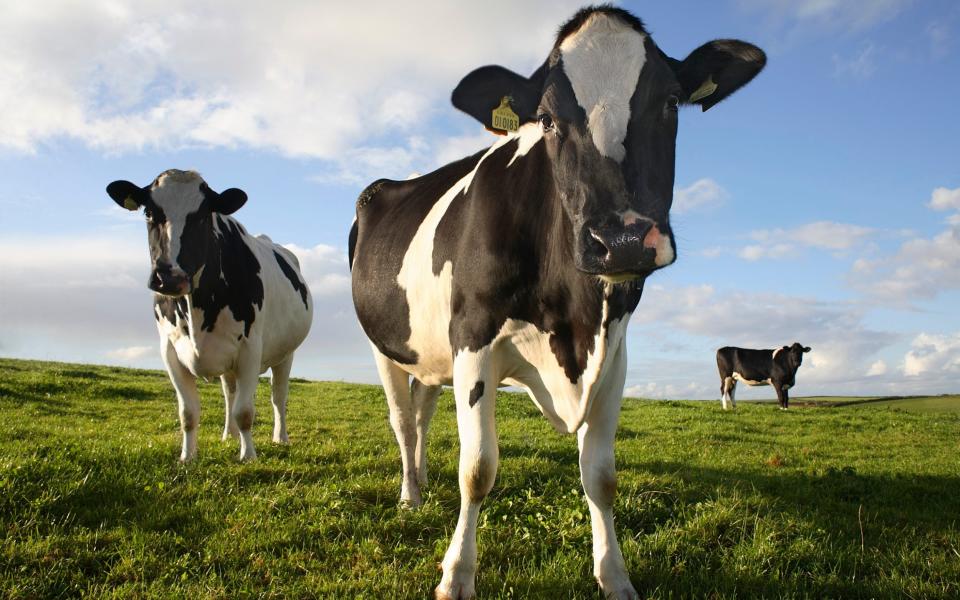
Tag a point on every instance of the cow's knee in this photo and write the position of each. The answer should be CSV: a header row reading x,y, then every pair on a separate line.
x,y
600,485
478,480
244,418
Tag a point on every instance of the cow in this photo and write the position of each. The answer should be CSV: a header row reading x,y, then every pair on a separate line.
x,y
227,304
759,367
521,264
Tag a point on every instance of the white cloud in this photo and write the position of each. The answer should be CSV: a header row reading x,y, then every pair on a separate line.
x,y
922,268
655,390
821,235
945,199
861,65
702,193
933,354
773,251
940,37
131,353
877,369
829,14
178,74
324,268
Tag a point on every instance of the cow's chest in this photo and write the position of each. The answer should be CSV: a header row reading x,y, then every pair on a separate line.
x,y
204,352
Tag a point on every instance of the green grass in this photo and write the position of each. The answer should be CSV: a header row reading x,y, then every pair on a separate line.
x,y
810,503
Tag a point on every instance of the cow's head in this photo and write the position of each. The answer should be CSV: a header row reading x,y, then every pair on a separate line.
x,y
795,354
605,104
179,208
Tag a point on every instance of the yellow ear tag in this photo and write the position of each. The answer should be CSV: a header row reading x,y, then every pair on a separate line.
x,y
704,90
504,118
129,204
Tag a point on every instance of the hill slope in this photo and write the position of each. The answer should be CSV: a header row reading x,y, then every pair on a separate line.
x,y
807,503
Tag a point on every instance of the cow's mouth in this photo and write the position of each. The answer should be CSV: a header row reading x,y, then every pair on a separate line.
x,y
169,284
623,253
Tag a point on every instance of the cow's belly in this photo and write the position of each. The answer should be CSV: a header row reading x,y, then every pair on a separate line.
x,y
748,381
206,353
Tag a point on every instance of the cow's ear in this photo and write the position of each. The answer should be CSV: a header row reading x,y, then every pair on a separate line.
x,y
717,69
228,201
482,91
806,348
127,195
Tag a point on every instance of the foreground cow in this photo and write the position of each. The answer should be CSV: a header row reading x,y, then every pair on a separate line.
x,y
227,304
522,263
759,367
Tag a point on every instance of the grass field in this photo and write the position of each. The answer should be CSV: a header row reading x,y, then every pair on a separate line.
x,y
853,502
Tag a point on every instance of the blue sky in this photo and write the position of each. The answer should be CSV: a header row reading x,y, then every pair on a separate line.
x,y
820,204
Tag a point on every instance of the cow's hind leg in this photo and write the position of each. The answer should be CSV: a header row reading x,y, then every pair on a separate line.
x,y
425,404
599,477
403,420
188,400
475,390
228,381
279,388
733,393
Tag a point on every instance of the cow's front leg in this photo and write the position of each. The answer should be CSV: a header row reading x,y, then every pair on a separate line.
x,y
599,477
781,395
248,376
475,390
188,399
228,381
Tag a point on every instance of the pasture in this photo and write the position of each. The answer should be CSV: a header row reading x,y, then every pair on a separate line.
x,y
855,501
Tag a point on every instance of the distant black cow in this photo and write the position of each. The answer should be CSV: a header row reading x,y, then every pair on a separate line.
x,y
759,367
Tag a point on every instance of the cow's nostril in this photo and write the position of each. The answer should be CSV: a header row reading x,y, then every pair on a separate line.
x,y
597,246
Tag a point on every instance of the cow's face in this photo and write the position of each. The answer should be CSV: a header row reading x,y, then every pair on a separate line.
x,y
179,209
605,106
796,352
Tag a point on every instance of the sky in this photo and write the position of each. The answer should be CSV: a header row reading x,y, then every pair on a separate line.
x,y
819,204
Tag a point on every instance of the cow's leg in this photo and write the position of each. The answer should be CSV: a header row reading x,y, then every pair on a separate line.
x,y
248,376
279,388
188,399
425,404
228,382
786,398
475,391
599,478
396,387
781,396
728,388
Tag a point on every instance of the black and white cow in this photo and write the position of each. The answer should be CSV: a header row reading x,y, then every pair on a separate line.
x,y
522,263
227,304
759,367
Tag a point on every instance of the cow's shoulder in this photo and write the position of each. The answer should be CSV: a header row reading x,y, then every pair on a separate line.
x,y
232,279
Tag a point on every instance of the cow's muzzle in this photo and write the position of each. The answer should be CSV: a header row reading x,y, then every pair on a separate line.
x,y
622,252
169,281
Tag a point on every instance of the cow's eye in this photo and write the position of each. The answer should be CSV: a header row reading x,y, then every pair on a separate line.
x,y
673,102
546,121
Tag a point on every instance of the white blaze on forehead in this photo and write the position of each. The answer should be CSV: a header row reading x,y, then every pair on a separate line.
x,y
603,60
178,194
